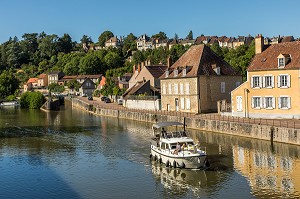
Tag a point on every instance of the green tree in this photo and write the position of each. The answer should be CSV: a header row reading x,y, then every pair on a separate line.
x,y
217,49
86,40
138,57
190,35
112,60
48,46
14,53
90,64
65,43
8,84
32,100
177,51
54,87
160,35
73,84
104,37
129,44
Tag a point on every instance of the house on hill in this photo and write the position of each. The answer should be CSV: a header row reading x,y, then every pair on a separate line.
x,y
272,86
196,81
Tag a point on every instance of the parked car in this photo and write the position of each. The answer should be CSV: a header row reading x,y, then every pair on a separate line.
x,y
103,98
84,95
107,100
90,98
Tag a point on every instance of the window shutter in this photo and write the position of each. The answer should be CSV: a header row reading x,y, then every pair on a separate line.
x,y
251,82
279,102
288,81
263,81
273,102
260,82
278,81
264,102
252,102
272,78
261,104
289,102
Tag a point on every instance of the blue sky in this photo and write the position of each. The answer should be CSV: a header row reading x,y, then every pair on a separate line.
x,y
92,17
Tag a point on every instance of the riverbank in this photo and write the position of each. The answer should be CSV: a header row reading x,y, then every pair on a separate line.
x,y
289,135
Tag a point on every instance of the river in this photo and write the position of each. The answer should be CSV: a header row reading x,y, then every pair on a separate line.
x,y
73,154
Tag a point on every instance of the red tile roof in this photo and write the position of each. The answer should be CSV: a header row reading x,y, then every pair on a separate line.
x,y
267,60
32,80
200,60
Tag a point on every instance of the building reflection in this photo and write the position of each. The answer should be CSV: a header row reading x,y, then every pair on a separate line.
x,y
269,173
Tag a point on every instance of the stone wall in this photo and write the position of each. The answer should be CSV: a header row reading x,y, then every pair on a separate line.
x,y
263,132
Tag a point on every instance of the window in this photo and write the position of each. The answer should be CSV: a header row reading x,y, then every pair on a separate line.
x,y
222,87
167,73
184,72
269,102
176,89
256,102
268,81
281,62
187,88
255,82
188,103
182,103
175,73
164,89
181,88
283,81
284,102
170,88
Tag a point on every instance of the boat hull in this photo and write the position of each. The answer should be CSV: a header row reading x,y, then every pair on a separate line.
x,y
189,161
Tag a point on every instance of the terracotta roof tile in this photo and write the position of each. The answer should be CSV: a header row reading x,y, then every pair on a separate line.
x,y
32,80
268,59
200,60
156,70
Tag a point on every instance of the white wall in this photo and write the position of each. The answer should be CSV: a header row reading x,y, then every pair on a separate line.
x,y
143,104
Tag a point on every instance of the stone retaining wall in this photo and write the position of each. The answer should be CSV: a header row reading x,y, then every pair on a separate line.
x,y
263,132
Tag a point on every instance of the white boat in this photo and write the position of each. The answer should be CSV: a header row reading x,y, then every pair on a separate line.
x,y
12,103
164,146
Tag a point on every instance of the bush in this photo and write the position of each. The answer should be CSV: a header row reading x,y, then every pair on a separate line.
x,y
32,100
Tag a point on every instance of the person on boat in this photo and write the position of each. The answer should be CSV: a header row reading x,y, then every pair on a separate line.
x,y
178,148
164,133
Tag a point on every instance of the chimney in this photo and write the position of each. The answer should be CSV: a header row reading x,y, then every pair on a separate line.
x,y
142,65
169,61
139,68
134,66
259,44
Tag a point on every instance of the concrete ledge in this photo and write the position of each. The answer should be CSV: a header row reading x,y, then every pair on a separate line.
x,y
257,131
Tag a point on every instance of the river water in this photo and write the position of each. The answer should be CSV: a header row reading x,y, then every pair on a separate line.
x,y
73,154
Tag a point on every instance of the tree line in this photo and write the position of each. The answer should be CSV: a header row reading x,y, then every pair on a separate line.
x,y
38,53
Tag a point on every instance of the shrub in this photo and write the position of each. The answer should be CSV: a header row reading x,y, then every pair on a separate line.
x,y
32,100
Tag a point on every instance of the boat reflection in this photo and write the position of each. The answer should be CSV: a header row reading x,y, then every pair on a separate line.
x,y
181,181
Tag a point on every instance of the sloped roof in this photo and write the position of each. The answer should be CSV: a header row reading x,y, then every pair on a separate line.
x,y
267,60
32,80
156,70
132,90
200,60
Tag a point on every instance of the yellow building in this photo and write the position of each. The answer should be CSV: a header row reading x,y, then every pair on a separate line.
x,y
272,89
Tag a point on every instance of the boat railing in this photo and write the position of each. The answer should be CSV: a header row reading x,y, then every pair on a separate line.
x,y
174,134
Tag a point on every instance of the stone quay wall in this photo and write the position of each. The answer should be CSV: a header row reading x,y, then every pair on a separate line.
x,y
256,131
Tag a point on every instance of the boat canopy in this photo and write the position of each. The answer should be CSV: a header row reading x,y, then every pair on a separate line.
x,y
164,124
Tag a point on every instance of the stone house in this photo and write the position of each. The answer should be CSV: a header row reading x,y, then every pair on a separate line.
x,y
42,80
144,42
113,42
30,84
196,81
87,87
54,77
272,86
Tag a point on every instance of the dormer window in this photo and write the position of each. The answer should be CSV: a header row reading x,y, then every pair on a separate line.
x,y
283,60
184,72
217,70
167,73
281,63
175,73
